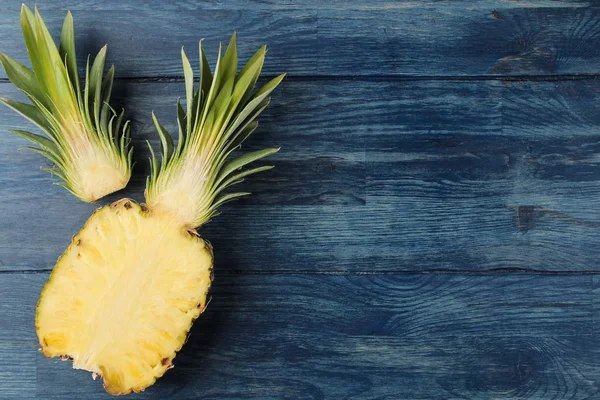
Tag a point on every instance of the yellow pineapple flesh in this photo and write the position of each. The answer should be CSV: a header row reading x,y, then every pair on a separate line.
x,y
122,298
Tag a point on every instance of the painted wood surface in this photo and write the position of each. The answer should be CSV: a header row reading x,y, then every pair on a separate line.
x,y
350,38
431,229
397,176
417,336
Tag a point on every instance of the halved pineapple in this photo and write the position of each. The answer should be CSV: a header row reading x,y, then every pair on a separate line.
x,y
123,296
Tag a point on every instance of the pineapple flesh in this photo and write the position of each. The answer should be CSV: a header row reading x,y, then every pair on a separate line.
x,y
118,303
122,298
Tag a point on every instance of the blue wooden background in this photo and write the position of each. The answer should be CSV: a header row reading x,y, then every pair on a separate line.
x,y
432,227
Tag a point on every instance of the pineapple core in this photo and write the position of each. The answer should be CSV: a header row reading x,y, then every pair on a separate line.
x,y
124,295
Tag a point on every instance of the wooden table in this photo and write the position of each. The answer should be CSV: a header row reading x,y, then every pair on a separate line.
x,y
431,229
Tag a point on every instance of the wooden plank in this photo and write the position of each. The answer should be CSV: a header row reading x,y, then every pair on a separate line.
x,y
416,336
377,176
187,5
18,373
334,38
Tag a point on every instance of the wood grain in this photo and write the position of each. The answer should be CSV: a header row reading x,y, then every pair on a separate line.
x,y
387,38
395,176
417,336
430,230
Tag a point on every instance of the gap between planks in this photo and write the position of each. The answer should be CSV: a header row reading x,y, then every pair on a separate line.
x,y
382,78
490,272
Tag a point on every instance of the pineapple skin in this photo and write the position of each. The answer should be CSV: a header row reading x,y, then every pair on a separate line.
x,y
90,312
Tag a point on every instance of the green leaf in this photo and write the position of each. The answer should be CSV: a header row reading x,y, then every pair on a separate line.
x,y
242,134
52,67
213,89
124,139
153,164
166,141
238,177
107,84
220,106
67,51
86,92
95,87
227,198
230,61
243,160
238,138
30,112
189,88
41,141
46,154
250,73
181,127
30,37
206,76
244,85
268,87
251,111
55,171
24,79
105,108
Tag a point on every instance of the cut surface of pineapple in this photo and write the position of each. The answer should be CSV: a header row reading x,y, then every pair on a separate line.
x,y
123,297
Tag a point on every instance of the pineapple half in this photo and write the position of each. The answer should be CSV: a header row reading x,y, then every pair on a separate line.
x,y
82,130
122,298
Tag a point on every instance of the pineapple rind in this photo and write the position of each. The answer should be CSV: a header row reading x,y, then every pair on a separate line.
x,y
117,338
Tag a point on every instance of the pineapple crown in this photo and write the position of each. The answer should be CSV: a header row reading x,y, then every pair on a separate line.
x,y
83,137
220,114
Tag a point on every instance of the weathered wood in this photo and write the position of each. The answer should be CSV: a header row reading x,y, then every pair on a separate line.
x,y
376,176
329,38
417,336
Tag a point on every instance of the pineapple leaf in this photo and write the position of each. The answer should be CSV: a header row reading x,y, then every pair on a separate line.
x,y
227,198
67,51
236,131
189,88
82,129
54,171
242,134
249,75
23,78
166,141
95,87
206,76
53,72
181,120
237,178
220,114
153,162
268,87
230,61
243,160
213,88
107,84
249,112
30,112
45,143
46,154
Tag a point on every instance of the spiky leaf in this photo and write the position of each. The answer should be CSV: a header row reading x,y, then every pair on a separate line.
x,y
218,117
84,136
